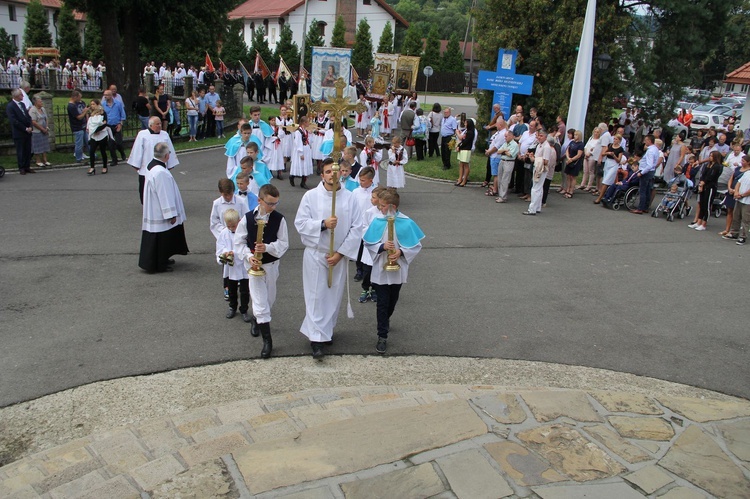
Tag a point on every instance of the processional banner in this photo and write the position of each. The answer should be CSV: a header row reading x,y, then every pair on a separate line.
x,y
328,64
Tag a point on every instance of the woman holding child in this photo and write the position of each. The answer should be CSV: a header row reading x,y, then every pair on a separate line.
x,y
612,161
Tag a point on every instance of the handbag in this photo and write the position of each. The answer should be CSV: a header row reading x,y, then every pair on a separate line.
x,y
410,142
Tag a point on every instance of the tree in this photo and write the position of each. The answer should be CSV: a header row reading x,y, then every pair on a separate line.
x,y
7,49
431,56
362,53
338,36
69,41
234,48
37,32
313,39
736,31
453,59
412,42
287,49
385,45
260,45
92,41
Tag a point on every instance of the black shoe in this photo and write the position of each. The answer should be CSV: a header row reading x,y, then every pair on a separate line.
x,y
167,269
265,332
170,261
247,317
317,350
291,180
278,175
113,163
254,331
380,347
231,313
358,276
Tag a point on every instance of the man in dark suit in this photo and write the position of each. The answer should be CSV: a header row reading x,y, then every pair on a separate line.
x,y
20,124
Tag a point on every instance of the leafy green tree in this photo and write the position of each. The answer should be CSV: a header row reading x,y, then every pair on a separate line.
x,y
362,52
412,42
453,59
737,33
260,45
338,36
234,48
92,41
69,41
385,45
7,49
37,32
431,56
287,49
313,39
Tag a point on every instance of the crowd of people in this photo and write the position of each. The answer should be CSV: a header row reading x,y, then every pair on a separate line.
x,y
84,75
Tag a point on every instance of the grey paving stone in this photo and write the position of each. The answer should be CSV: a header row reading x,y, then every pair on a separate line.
x,y
550,405
649,479
737,436
503,408
705,410
642,428
617,444
695,457
682,493
412,483
617,490
471,476
627,402
314,454
522,465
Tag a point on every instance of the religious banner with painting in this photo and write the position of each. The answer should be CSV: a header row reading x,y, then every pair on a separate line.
x,y
382,76
328,64
407,71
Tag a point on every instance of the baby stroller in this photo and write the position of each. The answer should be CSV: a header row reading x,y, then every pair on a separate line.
x,y
722,189
2,172
678,208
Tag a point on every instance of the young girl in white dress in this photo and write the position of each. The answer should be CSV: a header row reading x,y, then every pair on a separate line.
x,y
362,120
273,153
397,158
316,138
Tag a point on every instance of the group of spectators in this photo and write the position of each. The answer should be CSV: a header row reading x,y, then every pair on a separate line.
x,y
82,75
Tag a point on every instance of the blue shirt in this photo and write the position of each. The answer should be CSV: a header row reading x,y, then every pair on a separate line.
x,y
115,112
202,105
448,126
649,160
212,99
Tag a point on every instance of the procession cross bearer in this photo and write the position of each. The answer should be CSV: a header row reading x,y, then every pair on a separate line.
x,y
337,108
329,222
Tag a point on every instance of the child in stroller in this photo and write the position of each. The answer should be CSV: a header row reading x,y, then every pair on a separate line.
x,y
675,200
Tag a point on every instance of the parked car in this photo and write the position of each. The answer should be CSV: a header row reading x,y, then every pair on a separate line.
x,y
704,121
730,101
727,114
711,108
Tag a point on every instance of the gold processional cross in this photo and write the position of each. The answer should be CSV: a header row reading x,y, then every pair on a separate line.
x,y
337,108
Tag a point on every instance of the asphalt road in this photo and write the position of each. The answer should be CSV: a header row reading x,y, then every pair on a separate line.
x,y
577,285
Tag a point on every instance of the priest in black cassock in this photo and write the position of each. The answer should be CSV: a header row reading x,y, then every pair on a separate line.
x,y
163,234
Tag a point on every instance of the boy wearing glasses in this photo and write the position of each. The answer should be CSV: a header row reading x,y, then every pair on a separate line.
x,y
274,245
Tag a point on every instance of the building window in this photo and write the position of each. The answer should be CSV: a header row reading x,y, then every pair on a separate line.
x,y
744,88
14,39
366,2
12,12
322,27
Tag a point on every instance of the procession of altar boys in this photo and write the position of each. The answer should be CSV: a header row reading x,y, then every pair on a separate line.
x,y
347,216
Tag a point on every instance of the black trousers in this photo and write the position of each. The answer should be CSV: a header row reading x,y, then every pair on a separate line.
x,y
434,148
516,180
421,146
244,291
23,152
102,146
141,184
387,299
545,191
488,175
445,152
210,124
705,202
366,273
528,180
116,145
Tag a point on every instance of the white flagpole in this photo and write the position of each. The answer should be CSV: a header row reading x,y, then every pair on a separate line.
x,y
579,97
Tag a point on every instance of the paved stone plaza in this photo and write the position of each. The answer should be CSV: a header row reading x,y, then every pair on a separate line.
x,y
483,392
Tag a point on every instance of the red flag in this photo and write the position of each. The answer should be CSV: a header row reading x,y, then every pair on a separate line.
x,y
282,69
209,64
260,66
223,69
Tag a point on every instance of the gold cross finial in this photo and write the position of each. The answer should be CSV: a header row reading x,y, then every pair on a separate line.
x,y
337,108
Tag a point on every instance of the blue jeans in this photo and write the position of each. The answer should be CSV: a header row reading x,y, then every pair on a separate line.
x,y
193,123
219,127
144,121
80,139
644,187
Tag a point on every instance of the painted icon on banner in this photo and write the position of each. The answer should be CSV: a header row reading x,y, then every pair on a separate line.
x,y
331,72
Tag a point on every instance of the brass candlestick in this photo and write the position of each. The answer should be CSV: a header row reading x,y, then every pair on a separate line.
x,y
391,265
332,244
257,270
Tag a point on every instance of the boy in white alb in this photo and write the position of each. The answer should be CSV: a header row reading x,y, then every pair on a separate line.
x,y
234,149
397,158
227,200
234,268
273,149
274,245
402,250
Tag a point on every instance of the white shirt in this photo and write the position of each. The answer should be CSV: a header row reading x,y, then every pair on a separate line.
x,y
143,150
225,244
276,248
216,221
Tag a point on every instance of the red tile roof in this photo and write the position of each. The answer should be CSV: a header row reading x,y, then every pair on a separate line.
x,y
259,9
52,4
740,75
